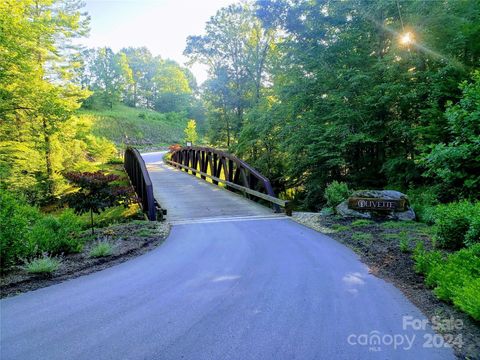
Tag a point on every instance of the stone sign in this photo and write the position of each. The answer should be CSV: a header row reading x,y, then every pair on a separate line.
x,y
358,203
376,204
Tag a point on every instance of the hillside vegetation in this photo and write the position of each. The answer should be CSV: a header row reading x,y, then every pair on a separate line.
x,y
142,128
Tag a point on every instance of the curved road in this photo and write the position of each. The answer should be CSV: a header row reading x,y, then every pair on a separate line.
x,y
240,285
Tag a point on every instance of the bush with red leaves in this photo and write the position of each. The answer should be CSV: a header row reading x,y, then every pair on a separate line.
x,y
96,193
174,147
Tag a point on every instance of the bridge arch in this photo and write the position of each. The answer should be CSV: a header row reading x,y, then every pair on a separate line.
x,y
223,167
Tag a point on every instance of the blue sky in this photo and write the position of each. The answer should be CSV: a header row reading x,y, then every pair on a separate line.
x,y
160,25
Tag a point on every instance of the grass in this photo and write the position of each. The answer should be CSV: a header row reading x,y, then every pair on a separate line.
x,y
117,214
362,222
43,265
339,227
146,232
101,249
404,243
400,224
363,237
390,236
141,127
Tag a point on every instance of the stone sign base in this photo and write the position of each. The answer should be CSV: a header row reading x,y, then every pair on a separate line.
x,y
377,204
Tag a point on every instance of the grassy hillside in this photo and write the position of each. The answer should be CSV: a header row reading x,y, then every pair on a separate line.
x,y
139,127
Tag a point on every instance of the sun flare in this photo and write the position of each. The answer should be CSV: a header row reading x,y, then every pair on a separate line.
x,y
406,38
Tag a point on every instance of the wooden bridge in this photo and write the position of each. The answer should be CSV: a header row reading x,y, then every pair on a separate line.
x,y
219,185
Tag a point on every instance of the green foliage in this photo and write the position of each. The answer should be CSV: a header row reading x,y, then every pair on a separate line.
x,y
327,211
37,96
390,236
456,279
404,243
191,132
362,237
425,260
26,233
340,228
362,222
399,224
124,126
44,265
136,77
287,93
473,234
56,235
106,74
238,50
16,219
335,193
423,201
456,163
467,298
454,221
95,193
101,249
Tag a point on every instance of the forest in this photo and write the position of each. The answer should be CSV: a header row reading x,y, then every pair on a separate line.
x,y
373,93
365,94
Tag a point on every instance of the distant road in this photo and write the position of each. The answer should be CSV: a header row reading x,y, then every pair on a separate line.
x,y
227,285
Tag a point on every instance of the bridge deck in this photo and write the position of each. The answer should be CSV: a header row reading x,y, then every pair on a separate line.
x,y
187,197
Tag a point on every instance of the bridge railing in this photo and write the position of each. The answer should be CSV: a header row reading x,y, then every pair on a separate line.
x,y
140,180
237,174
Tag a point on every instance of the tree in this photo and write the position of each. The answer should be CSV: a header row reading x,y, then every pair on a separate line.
x,y
106,74
349,101
236,48
191,132
36,92
455,163
172,92
96,194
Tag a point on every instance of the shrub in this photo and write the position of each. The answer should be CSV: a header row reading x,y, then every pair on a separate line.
x,y
43,265
115,161
174,147
425,260
327,211
96,193
16,219
454,278
473,234
101,249
56,235
423,202
335,193
452,223
25,232
468,298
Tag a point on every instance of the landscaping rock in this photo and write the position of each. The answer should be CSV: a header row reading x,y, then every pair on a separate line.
x,y
343,210
407,215
380,194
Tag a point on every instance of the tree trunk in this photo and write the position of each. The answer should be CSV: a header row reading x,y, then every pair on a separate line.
x,y
48,159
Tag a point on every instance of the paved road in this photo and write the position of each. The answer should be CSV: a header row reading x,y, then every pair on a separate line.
x,y
239,288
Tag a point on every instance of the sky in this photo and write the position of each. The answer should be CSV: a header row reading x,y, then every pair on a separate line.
x,y
161,25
